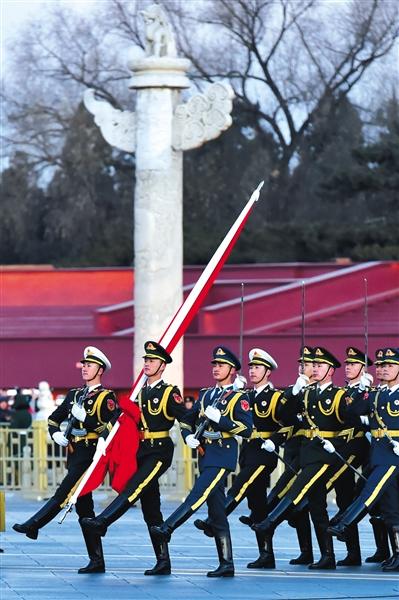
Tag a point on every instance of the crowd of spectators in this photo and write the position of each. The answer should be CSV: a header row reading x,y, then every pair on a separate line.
x,y
20,406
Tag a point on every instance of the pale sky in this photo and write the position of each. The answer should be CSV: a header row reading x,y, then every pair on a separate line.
x,y
15,13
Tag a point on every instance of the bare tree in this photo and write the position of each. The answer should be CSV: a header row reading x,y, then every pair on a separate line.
x,y
289,61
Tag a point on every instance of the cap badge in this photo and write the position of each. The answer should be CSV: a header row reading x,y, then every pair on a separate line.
x,y
351,352
220,352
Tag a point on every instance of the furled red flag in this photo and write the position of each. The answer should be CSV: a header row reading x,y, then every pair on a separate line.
x,y
123,431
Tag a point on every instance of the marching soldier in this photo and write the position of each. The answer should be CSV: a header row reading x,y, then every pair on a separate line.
x,y
160,404
91,411
256,465
322,408
377,522
300,517
221,413
382,408
356,451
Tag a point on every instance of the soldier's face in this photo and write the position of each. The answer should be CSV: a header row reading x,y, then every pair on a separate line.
x,y
353,371
378,372
89,371
257,373
306,368
222,372
153,366
321,371
390,373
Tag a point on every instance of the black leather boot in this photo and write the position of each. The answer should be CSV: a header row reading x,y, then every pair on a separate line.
x,y
205,526
381,541
327,558
163,533
266,555
353,558
274,518
246,520
391,558
100,524
94,550
226,565
162,566
352,515
43,516
393,564
304,534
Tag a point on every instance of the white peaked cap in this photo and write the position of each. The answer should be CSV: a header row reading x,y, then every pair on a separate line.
x,y
261,357
93,354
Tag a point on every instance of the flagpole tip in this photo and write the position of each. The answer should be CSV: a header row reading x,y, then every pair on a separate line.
x,y
255,195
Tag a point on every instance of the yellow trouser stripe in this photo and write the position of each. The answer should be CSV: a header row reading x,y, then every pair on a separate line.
x,y
378,487
309,484
146,481
287,487
248,483
208,490
338,474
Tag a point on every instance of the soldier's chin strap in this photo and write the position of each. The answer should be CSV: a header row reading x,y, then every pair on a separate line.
x,y
325,377
96,375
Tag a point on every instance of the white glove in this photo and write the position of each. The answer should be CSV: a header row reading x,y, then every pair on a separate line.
x,y
366,381
365,420
395,448
78,412
301,382
192,441
239,382
213,414
100,448
268,445
60,439
328,447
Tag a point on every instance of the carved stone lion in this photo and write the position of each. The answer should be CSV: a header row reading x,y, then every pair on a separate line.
x,y
159,36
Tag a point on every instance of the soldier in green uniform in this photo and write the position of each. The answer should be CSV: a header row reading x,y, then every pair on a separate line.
x,y
382,485
299,519
377,522
356,452
322,407
91,411
160,404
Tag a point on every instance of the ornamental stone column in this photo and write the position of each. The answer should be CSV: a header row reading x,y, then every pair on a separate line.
x,y
158,132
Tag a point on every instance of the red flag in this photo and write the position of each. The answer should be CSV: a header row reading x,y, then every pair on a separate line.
x,y
174,332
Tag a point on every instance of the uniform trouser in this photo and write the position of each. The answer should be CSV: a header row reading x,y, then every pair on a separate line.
x,y
251,482
209,488
383,486
144,486
84,504
343,481
311,484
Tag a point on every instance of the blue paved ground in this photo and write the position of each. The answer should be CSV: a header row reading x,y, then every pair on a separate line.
x,y
46,569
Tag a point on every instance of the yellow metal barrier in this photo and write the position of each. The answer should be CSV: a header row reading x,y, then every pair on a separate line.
x,y
2,511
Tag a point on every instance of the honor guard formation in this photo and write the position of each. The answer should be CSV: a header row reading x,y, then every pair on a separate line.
x,y
324,436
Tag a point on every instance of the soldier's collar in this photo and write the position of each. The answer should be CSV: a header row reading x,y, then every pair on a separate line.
x,y
93,387
261,388
324,386
154,383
